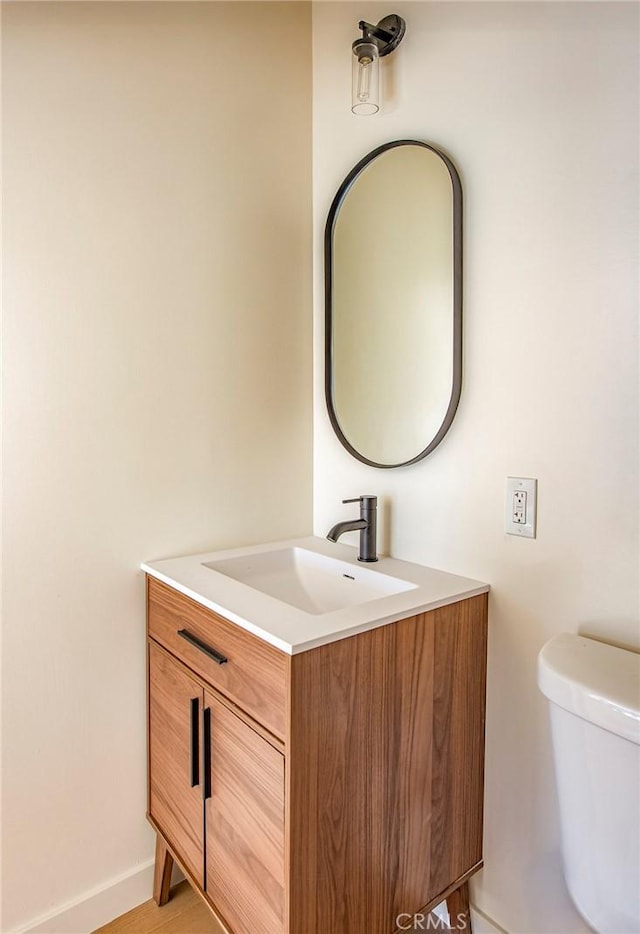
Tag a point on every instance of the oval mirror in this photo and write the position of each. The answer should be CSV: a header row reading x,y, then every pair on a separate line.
x,y
393,304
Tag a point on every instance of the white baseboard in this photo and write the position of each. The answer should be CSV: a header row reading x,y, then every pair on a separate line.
x,y
96,907
482,924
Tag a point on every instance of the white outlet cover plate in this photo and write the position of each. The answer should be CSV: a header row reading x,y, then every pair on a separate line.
x,y
527,485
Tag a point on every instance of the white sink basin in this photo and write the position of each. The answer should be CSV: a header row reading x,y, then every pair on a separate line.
x,y
310,581
306,592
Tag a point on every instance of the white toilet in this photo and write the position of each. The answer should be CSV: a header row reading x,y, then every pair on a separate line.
x,y
594,694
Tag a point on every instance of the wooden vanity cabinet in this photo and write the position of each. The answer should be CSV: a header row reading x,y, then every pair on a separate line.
x,y
222,811
175,795
342,798
245,825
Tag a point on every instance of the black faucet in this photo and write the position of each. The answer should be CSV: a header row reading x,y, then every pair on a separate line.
x,y
367,524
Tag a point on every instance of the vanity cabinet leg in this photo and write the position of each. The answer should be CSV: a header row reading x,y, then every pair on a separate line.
x,y
458,908
162,873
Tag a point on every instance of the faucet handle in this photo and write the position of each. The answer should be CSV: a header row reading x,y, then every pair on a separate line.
x,y
356,499
367,498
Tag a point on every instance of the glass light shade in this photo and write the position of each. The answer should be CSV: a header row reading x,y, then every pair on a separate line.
x,y
365,84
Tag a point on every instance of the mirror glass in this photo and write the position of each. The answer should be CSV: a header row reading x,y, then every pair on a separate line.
x,y
393,258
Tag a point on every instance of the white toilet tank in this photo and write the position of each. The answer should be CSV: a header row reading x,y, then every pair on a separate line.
x,y
594,694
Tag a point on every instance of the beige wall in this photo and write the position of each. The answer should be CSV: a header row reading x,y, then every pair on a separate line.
x,y
157,223
538,105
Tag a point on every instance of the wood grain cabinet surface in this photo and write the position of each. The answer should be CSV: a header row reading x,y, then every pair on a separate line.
x,y
335,791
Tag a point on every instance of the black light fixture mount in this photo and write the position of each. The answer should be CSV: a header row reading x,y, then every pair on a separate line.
x,y
387,34
375,42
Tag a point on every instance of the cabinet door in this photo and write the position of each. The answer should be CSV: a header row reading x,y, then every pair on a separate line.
x,y
175,793
244,825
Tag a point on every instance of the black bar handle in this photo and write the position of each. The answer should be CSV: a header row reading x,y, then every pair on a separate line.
x,y
195,741
193,640
206,784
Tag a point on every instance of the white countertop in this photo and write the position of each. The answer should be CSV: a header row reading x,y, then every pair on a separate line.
x,y
291,629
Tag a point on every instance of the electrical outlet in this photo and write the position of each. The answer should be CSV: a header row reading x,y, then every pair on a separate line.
x,y
520,507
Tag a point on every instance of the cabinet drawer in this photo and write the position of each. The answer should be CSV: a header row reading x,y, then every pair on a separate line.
x,y
254,673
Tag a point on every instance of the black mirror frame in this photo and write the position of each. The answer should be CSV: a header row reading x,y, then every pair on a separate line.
x,y
456,387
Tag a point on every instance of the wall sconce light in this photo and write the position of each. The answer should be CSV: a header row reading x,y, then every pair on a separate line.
x,y
375,42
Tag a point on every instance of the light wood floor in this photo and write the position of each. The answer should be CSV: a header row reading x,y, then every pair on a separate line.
x,y
185,913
